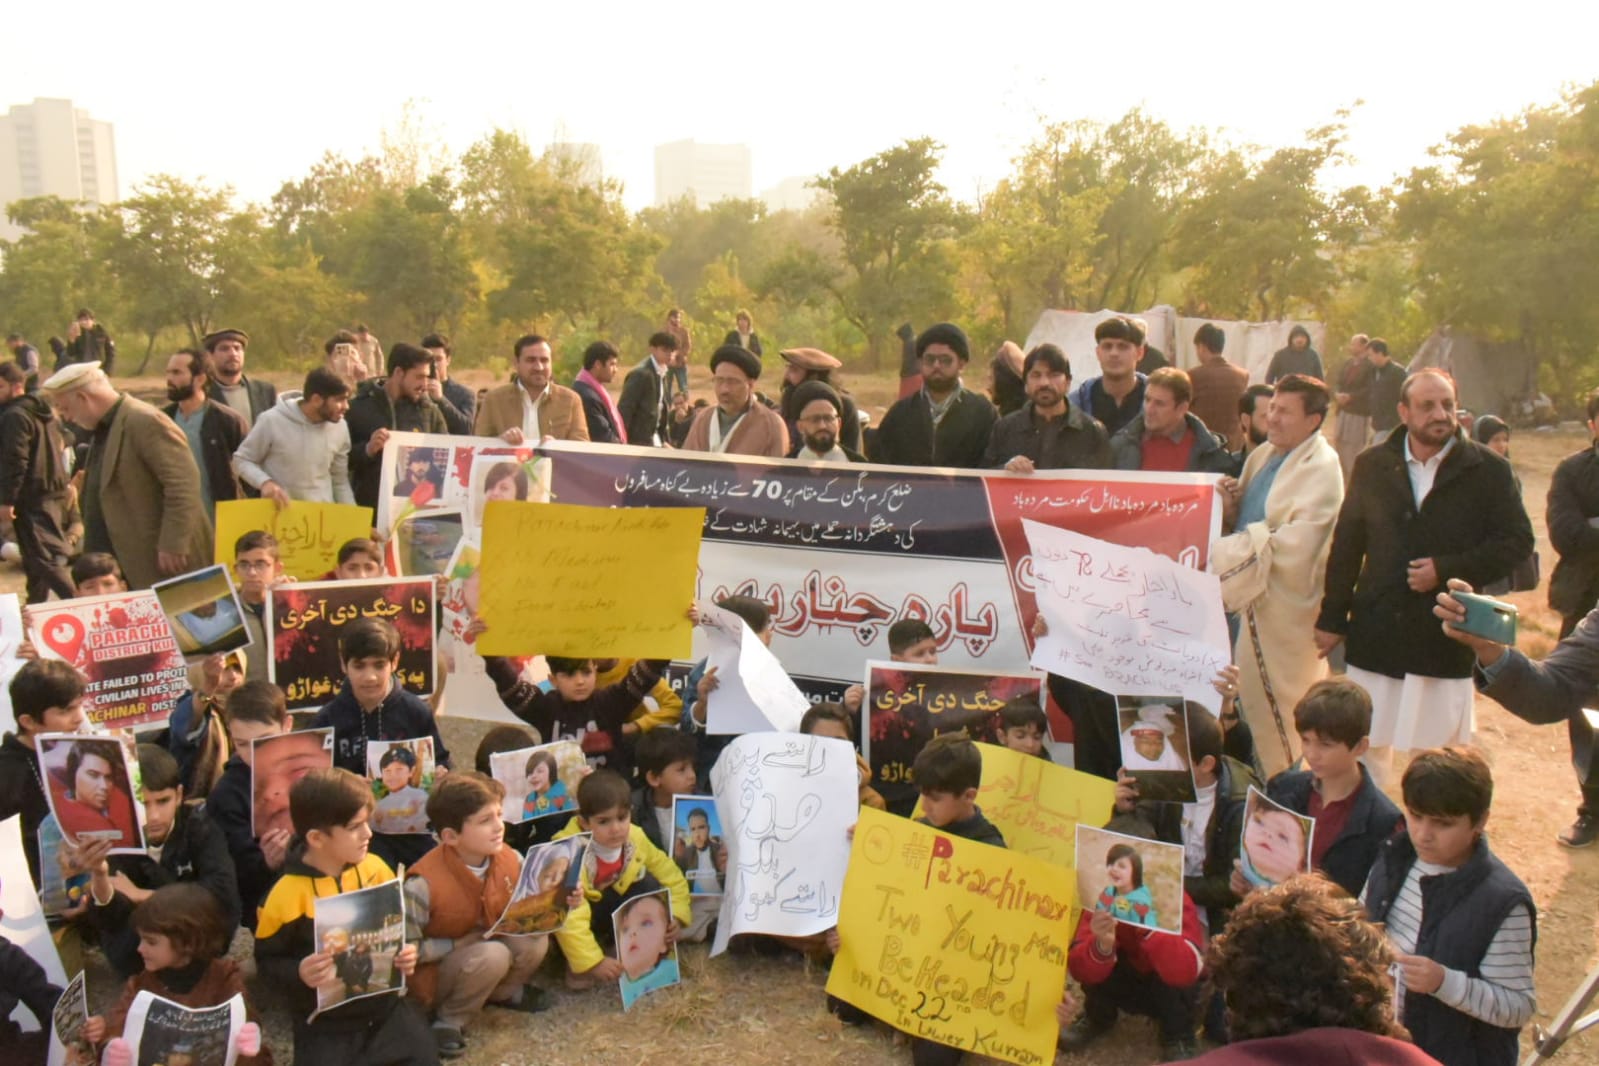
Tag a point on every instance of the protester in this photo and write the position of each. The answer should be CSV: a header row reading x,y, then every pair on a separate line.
x,y
682,349
802,365
396,403
228,384
1253,407
197,731
604,420
739,424
820,417
300,450
88,342
255,711
257,566
645,405
743,333
1116,397
1353,428
1218,385
46,697
344,358
1167,435
664,760
25,357
1047,433
1298,357
1024,727
34,495
455,401
97,574
533,406
214,431
828,719
1007,387
1387,378
945,424
23,982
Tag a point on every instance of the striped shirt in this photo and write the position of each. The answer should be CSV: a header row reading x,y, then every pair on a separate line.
x,y
1503,994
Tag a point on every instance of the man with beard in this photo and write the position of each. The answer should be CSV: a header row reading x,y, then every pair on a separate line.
x,y
1047,433
813,364
1218,385
300,450
1252,414
532,406
945,424
229,386
214,430
738,423
820,408
1426,505
599,370
33,486
396,403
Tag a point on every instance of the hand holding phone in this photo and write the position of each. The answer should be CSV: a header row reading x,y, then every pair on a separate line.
x,y
1487,618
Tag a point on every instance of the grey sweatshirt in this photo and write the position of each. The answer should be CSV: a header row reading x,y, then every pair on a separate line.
x,y
310,460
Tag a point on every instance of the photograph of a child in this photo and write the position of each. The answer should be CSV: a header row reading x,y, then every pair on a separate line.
x,y
276,763
503,477
426,541
415,467
363,931
647,955
204,612
402,776
549,875
539,782
92,783
697,844
1154,746
1276,841
1138,881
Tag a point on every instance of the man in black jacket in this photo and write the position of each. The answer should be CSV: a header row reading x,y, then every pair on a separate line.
x,y
88,342
646,394
1047,433
398,402
1426,505
33,486
214,430
456,402
599,411
945,424
229,386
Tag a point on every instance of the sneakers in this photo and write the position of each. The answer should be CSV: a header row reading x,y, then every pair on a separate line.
x,y
1179,1050
1081,1033
1583,832
449,1042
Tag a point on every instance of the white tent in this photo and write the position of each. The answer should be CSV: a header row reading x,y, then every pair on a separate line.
x,y
1249,344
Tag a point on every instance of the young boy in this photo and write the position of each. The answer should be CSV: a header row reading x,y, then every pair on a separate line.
x,y
453,896
256,568
665,762
910,640
1023,727
620,863
97,574
329,855
827,719
359,559
46,697
186,846
255,711
1461,924
371,706
1353,818
701,683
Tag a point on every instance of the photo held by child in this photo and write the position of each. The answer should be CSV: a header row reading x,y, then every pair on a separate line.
x,y
329,855
1462,925
1276,842
46,697
182,937
664,761
402,773
500,740
453,897
197,732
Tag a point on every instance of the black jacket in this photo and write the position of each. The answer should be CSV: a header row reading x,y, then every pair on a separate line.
x,y
643,406
1373,820
644,818
596,723
753,347
1355,380
906,436
597,414
1383,398
221,431
263,395
975,828
31,463
1573,499
1472,525
1079,443
457,406
20,794
228,807
1209,455
23,981
401,716
371,411
89,347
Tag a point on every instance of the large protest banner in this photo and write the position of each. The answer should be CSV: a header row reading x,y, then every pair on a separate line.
x,y
309,535
123,646
953,941
304,620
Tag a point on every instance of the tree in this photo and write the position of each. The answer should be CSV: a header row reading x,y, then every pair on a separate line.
x,y
57,266
407,253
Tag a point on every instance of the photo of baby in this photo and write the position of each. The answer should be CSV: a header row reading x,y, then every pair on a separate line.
x,y
276,763
645,947
92,783
539,782
204,612
1137,881
402,776
697,844
1276,842
1154,746
549,875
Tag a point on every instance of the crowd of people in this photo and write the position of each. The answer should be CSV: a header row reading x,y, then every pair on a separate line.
x,y
1356,545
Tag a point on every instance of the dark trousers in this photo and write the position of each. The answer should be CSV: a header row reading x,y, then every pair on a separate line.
x,y
40,526
1141,993
401,1038
1582,742
930,1053
1096,742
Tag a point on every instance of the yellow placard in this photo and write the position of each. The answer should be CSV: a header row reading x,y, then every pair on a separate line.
x,y
607,582
1036,804
309,534
954,941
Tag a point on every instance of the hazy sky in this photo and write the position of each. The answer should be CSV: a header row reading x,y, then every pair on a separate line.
x,y
252,95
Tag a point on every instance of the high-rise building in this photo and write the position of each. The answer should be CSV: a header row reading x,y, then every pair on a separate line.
x,y
707,172
50,148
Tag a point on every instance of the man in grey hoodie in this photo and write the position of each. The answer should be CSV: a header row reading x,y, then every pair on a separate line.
x,y
300,449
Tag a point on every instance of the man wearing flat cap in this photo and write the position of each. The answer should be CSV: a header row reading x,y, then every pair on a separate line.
x,y
820,408
738,423
813,364
229,387
141,488
945,424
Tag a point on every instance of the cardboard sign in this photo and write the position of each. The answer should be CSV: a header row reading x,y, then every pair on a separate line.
x,y
304,620
309,535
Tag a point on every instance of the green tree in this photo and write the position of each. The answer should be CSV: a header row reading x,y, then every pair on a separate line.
x,y
57,266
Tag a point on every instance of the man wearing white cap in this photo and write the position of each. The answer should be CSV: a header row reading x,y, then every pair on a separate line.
x,y
1148,747
141,489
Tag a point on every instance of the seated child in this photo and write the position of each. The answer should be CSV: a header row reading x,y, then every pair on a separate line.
x,y
1126,897
664,759
1023,727
403,808
371,706
827,719
255,711
187,846
503,738
183,940
701,682
256,568
23,981
1461,924
97,574
1125,967
330,810
46,697
453,896
1353,817
546,792
620,863
197,731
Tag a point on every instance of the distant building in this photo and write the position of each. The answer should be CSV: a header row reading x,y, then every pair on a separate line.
x,y
707,172
585,161
791,194
50,148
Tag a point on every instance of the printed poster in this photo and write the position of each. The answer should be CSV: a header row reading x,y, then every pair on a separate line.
x,y
164,1033
309,535
363,930
123,646
401,772
276,763
539,782
1154,747
304,620
204,611
1139,881
648,958
68,1045
549,875
94,788
1276,842
698,845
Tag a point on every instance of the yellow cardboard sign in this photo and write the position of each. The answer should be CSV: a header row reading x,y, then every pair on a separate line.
x,y
309,534
607,582
954,941
1036,804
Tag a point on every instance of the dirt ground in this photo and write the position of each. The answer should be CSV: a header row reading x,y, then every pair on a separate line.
x,y
749,1009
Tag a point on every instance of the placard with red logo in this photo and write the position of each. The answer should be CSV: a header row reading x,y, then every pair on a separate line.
x,y
123,646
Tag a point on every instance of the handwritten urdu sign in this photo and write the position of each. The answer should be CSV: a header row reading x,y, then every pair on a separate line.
x,y
1036,804
309,535
303,624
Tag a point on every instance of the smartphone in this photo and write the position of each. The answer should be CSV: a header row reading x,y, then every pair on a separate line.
x,y
1487,618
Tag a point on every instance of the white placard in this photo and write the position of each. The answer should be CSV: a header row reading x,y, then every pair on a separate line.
x,y
22,922
753,692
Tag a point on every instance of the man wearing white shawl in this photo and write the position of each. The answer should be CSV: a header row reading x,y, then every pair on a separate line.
x,y
1271,566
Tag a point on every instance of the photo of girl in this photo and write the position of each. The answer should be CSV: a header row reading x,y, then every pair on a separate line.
x,y
1126,896
1276,842
1140,882
645,946
539,782
549,876
546,793
501,477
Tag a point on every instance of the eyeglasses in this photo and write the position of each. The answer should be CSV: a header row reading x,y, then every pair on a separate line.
x,y
818,420
940,359
250,566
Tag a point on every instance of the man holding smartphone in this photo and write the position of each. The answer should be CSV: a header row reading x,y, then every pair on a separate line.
x,y
1425,506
